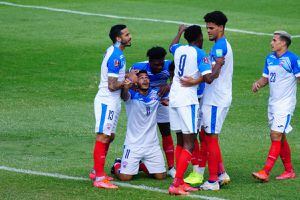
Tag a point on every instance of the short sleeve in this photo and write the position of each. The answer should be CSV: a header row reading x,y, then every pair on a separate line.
x,y
219,49
266,70
174,47
114,65
296,67
203,63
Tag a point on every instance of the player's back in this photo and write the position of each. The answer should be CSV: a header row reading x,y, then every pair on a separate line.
x,y
141,119
186,60
219,92
156,79
113,65
281,73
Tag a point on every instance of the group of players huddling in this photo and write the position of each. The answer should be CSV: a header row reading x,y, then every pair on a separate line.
x,y
190,96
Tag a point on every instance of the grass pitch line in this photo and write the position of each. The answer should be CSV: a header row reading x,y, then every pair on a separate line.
x,y
128,18
61,176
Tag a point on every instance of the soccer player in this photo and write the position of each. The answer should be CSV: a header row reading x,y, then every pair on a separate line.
x,y
141,142
158,70
107,102
217,98
281,71
189,60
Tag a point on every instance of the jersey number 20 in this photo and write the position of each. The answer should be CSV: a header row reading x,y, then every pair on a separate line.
x,y
181,65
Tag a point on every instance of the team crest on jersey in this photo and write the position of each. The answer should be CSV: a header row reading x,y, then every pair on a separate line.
x,y
116,62
206,60
219,52
298,61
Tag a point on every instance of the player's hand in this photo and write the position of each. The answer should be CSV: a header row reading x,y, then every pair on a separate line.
x,y
132,75
220,61
164,102
182,28
127,83
164,89
255,86
187,81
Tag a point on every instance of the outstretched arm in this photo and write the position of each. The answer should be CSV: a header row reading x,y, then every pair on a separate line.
x,y
262,82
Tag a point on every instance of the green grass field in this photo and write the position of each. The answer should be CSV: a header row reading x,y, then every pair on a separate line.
x,y
49,75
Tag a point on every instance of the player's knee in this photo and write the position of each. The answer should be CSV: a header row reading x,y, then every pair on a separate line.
x,y
164,129
103,138
160,176
125,177
276,136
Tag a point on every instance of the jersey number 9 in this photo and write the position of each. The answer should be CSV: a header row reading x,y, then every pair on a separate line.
x,y
181,65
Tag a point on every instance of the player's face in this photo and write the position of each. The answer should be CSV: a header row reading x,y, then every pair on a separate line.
x,y
276,43
143,81
125,38
156,65
213,31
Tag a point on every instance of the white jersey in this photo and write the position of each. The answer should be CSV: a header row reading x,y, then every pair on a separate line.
x,y
281,73
113,65
189,61
219,92
141,119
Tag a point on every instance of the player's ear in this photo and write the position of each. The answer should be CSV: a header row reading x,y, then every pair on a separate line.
x,y
118,39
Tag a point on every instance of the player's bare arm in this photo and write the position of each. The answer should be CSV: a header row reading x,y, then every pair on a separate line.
x,y
216,69
181,29
114,84
125,90
188,81
262,82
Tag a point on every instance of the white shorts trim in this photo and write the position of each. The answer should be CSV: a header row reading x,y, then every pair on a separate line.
x,y
280,122
106,116
213,118
184,118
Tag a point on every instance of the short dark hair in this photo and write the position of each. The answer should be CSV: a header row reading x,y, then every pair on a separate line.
x,y
192,33
285,36
216,17
142,72
115,31
156,53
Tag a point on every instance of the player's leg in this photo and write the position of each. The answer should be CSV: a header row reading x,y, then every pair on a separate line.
x,y
188,122
285,155
196,176
278,125
154,162
213,118
129,164
105,122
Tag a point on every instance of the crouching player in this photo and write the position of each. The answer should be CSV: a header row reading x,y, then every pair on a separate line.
x,y
159,71
141,142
